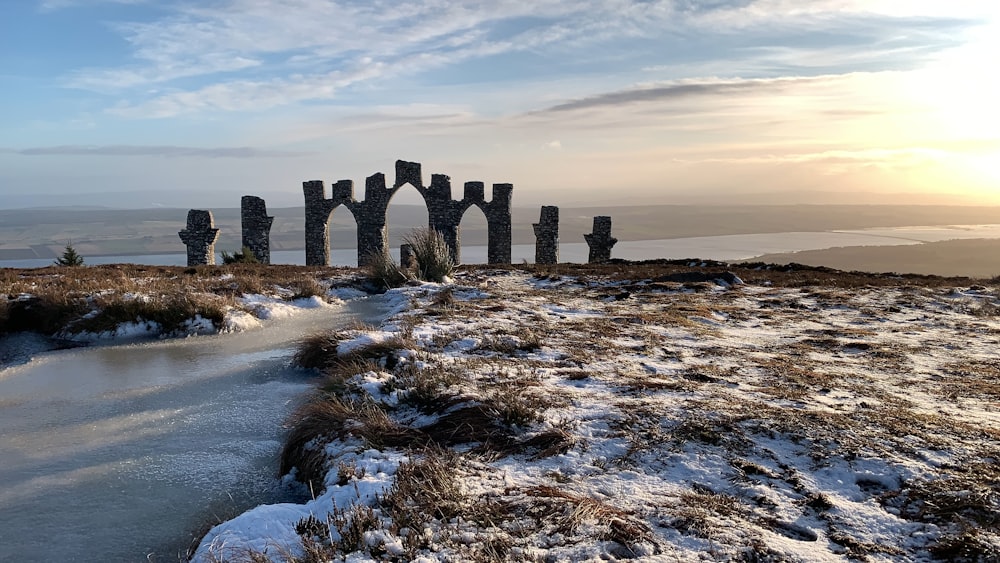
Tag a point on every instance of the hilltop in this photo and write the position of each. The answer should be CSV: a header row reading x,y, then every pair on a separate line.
x,y
660,411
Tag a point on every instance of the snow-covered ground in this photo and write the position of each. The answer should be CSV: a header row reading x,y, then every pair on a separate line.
x,y
595,417
248,312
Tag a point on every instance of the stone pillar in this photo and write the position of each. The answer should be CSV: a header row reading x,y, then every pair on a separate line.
x,y
200,236
317,224
498,222
444,214
600,241
547,236
373,235
256,227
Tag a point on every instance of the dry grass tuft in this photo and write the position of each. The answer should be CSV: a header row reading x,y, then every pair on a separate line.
x,y
317,351
45,313
426,488
324,419
552,510
306,287
550,442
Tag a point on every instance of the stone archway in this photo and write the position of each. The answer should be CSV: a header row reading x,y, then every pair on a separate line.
x,y
444,214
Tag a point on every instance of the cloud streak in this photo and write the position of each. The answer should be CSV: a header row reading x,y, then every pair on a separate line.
x,y
166,151
681,90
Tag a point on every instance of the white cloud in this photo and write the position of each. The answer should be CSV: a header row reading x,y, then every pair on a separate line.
x,y
158,150
253,55
53,5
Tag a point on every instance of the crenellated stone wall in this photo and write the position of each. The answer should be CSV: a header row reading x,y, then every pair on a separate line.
x,y
444,214
547,236
199,237
256,227
600,241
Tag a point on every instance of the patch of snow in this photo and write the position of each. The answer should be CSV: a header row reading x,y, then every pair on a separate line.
x,y
363,340
271,528
346,293
123,332
237,320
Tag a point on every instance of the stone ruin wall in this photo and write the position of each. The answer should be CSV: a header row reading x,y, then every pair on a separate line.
x,y
444,214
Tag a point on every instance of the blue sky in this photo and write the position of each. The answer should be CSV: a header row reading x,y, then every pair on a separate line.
x,y
572,101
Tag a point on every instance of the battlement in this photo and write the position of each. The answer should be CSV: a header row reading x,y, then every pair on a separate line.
x,y
408,173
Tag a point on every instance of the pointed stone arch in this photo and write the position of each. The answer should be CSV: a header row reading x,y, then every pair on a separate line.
x,y
444,214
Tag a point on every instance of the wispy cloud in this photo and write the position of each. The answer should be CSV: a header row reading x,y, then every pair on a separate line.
x,y
249,55
680,89
53,5
153,150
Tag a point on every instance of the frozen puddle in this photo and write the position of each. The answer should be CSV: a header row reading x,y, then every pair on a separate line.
x,y
121,453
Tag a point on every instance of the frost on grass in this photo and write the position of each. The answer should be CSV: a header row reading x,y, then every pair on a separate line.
x,y
125,302
609,415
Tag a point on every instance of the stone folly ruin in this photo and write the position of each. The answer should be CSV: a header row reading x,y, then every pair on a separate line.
x,y
444,214
547,236
600,241
200,236
256,228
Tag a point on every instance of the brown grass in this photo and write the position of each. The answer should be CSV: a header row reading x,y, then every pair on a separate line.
x,y
54,297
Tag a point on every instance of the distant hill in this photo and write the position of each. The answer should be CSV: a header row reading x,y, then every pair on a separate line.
x,y
42,233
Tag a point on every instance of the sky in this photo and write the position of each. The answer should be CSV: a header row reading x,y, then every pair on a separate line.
x,y
184,103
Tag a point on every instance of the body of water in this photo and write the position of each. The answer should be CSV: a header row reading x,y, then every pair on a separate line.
x,y
724,247
122,453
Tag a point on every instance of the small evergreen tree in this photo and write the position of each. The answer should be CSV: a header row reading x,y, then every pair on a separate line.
x,y
69,257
